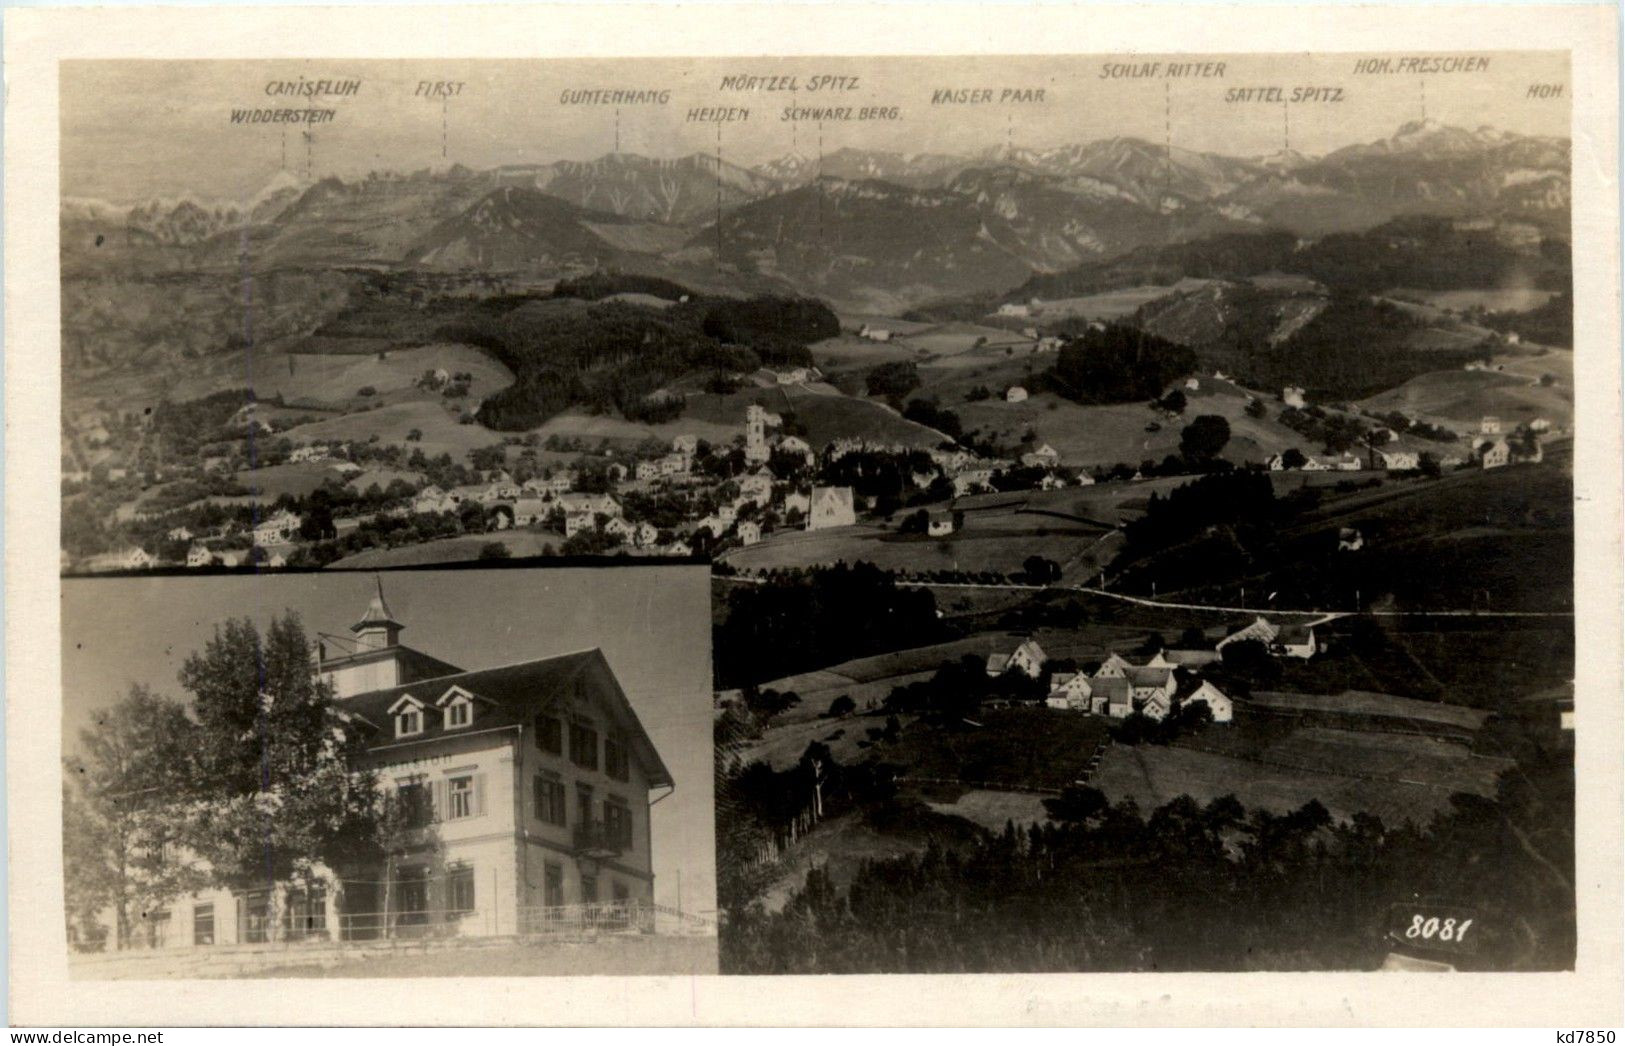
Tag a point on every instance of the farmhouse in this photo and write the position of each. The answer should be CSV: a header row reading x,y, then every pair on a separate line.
x,y
831,507
525,791
529,512
1493,454
1296,641
1400,460
1043,457
1069,690
1113,667
590,504
797,446
278,529
940,524
1111,697
1259,629
972,480
198,556
1149,681
1015,394
579,522
1220,705
645,535
1028,659
750,532
756,488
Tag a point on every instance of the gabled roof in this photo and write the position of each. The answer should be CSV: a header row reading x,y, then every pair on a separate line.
x,y
1114,689
1147,675
513,695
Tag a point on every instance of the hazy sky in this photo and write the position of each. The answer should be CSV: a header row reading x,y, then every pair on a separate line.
x,y
652,623
134,130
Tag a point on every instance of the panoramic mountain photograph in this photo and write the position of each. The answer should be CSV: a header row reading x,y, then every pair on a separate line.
x,y
1137,489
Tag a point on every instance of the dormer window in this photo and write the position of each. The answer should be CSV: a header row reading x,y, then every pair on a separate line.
x,y
457,707
407,714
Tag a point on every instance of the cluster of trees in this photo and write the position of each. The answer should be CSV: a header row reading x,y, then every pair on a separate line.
x,y
184,428
1550,324
251,782
1117,364
1352,348
958,688
931,415
1190,886
1140,728
1334,433
827,615
618,356
893,380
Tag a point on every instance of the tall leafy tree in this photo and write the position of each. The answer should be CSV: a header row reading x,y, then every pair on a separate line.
x,y
123,828
278,791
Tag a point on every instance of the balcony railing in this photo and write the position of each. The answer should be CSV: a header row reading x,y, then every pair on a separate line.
x,y
599,840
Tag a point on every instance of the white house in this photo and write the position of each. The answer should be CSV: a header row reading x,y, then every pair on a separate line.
x,y
972,480
1259,629
1297,641
756,488
831,507
1292,396
647,470
1400,460
1069,690
577,522
939,524
1494,454
1149,681
750,532
1015,394
1113,667
1028,659
1221,706
525,791
198,556
529,512
685,444
1043,457
591,504
279,528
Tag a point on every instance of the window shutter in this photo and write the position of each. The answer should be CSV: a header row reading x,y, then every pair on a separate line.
x,y
479,795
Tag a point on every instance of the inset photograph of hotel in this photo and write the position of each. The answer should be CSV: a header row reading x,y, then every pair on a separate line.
x,y
337,774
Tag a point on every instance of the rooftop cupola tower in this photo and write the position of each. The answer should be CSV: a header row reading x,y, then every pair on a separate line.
x,y
377,628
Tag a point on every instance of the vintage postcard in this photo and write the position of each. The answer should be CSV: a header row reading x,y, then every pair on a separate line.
x,y
1007,494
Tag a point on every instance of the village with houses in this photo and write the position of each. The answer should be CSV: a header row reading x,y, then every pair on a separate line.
x,y
1063,508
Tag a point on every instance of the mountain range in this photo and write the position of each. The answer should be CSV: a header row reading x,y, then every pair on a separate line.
x,y
862,227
